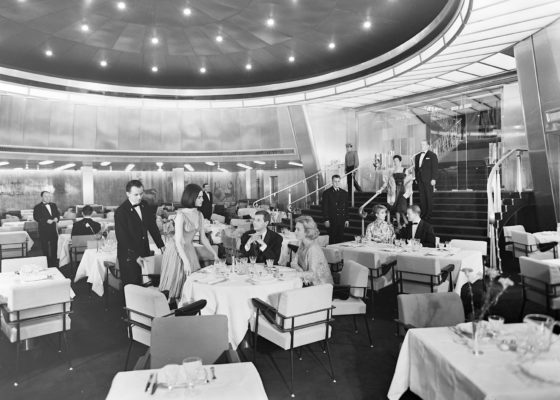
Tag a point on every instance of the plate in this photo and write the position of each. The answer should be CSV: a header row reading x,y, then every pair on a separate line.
x,y
544,370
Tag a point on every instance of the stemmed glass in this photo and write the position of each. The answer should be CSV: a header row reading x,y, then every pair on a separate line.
x,y
253,260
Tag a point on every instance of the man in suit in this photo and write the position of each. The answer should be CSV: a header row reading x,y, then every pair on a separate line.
x,y
134,219
261,241
206,207
86,226
334,211
47,215
417,228
426,172
351,162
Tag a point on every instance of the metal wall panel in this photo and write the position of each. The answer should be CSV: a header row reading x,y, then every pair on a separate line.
x,y
150,129
211,130
170,133
36,128
107,128
129,129
231,129
85,127
190,128
12,110
61,126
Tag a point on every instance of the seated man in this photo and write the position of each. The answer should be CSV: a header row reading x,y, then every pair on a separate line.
x,y
418,228
261,242
86,226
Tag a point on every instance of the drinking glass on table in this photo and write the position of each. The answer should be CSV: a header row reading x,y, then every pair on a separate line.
x,y
253,260
194,372
269,263
495,324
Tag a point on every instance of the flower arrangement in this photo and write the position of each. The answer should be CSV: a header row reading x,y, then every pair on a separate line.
x,y
498,286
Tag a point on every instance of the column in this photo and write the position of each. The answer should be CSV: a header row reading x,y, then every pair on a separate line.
x,y
87,185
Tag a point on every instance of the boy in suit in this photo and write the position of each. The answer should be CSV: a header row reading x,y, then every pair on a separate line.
x,y
261,241
334,211
47,215
418,228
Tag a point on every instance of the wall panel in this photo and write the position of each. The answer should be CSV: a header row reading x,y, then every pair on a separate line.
x,y
107,128
61,126
85,127
129,129
36,128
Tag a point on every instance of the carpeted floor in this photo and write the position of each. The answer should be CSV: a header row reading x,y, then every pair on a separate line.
x,y
98,346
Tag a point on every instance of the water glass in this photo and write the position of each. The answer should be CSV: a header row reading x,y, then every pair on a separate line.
x,y
495,324
253,260
539,332
269,263
358,239
194,371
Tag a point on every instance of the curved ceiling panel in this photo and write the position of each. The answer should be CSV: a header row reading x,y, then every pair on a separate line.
x,y
214,44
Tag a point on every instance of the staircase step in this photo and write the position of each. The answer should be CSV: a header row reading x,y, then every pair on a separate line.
x,y
469,230
456,222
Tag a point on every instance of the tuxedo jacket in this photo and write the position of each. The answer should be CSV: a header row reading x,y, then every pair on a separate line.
x,y
206,207
273,246
424,232
429,168
79,228
334,205
132,232
41,215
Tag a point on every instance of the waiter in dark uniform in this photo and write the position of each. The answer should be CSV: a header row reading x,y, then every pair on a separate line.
x,y
426,173
206,207
334,211
47,215
351,162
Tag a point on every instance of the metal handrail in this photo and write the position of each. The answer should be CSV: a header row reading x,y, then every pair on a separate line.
x,y
364,214
256,202
494,192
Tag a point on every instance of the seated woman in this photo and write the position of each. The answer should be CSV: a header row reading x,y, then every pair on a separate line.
x,y
309,259
380,230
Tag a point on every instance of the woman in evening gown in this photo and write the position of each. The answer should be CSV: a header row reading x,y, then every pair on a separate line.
x,y
399,188
180,258
380,230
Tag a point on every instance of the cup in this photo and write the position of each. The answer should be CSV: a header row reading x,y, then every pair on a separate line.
x,y
192,366
269,263
495,324
539,332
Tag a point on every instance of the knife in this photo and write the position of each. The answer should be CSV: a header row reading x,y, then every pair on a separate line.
x,y
154,385
149,382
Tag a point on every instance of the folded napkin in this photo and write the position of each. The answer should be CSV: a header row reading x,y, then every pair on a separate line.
x,y
210,279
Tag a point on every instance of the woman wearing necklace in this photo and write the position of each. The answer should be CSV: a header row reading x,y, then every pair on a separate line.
x,y
380,230
399,189
180,258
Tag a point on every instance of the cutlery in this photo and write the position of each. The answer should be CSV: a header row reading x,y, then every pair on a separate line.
x,y
154,385
149,382
213,374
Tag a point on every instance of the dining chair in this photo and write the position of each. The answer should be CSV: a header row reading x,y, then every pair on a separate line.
x,y
218,218
303,317
423,275
428,310
35,309
355,276
323,240
508,241
78,246
334,258
15,264
230,246
526,243
541,284
174,339
142,305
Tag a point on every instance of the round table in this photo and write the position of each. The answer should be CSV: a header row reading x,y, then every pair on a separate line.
x,y
232,297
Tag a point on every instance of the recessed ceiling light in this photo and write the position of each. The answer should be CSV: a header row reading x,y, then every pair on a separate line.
x,y
219,38
103,63
46,162
105,163
121,5
49,53
296,164
129,167
155,68
210,163
332,45
366,24
223,170
270,22
189,167
65,166
259,162
187,11
159,164
2,163
244,166
248,67
85,27
202,70
291,59
155,40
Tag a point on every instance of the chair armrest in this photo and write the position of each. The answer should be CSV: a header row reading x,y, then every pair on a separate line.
x,y
385,268
190,309
266,310
448,268
232,355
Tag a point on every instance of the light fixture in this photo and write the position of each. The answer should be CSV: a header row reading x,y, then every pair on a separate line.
x,y
159,165
154,40
46,162
105,163
244,166
49,53
291,59
187,11
103,63
129,167
366,24
189,167
248,67
202,70
210,163
275,164
2,163
223,170
270,22
84,27
219,38
65,166
332,45
295,164
155,68
259,162
121,5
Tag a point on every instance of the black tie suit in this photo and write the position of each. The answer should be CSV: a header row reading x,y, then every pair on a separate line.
x,y
334,211
424,232
47,232
425,173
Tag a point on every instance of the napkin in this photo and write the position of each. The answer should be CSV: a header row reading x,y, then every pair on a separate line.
x,y
546,370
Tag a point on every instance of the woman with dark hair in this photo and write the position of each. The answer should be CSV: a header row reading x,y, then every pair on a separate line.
x,y
399,189
180,258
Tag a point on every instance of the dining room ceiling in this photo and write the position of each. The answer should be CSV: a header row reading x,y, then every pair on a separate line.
x,y
205,44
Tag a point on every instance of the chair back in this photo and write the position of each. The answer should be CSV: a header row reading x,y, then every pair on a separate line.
x,y
428,310
238,222
478,245
421,274
509,229
176,338
523,238
355,275
149,302
94,244
545,274
333,256
14,264
302,301
111,215
218,218
11,228
80,242
151,265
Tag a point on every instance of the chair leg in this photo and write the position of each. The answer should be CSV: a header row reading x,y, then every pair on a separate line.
x,y
128,355
67,351
299,353
292,394
16,381
330,361
368,331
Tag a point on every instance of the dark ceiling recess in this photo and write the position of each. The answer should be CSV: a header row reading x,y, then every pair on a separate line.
x,y
82,34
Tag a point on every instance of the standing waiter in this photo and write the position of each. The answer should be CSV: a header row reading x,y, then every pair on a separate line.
x,y
206,208
351,162
426,172
334,211
133,220
47,215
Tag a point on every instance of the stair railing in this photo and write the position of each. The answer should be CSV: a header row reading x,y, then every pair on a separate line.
x,y
316,175
494,193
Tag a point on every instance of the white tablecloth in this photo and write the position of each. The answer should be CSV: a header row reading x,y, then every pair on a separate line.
x,y
434,364
14,224
9,279
233,381
233,299
62,249
11,243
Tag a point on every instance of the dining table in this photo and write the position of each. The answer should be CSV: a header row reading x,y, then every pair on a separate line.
x,y
237,381
10,279
439,364
63,249
231,296
15,244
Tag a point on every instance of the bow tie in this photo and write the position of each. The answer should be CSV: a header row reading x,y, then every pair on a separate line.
x,y
415,223
136,205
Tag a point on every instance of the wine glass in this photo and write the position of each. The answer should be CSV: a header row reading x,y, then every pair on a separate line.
x,y
253,260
